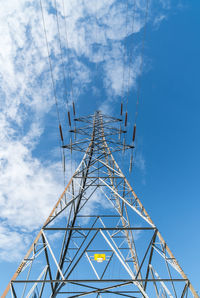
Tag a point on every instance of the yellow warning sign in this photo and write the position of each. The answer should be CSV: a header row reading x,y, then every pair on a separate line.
x,y
99,257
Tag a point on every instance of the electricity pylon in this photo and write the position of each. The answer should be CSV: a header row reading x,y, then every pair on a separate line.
x,y
99,240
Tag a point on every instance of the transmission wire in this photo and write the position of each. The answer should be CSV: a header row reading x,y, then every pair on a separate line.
x,y
62,62
130,56
124,56
129,63
52,80
67,43
61,55
141,68
50,64
69,72
142,59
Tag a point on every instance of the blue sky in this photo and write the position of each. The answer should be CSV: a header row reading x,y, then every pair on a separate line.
x,y
166,175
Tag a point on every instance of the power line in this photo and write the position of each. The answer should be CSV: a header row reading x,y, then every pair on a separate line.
x,y
69,70
67,43
134,138
139,79
62,154
130,55
124,56
142,59
49,59
61,55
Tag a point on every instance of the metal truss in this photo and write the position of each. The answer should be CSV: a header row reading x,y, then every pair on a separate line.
x,y
99,213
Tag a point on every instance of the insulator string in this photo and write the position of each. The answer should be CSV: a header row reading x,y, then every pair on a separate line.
x,y
134,139
129,58
62,62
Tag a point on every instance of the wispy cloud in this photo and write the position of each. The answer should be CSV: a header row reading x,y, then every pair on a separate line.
x,y
140,162
10,240
28,188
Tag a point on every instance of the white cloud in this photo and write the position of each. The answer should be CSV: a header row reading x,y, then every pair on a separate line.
x,y
140,162
120,77
12,244
159,19
29,189
166,4
96,201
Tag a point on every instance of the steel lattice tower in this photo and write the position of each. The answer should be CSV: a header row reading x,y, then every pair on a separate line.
x,y
99,240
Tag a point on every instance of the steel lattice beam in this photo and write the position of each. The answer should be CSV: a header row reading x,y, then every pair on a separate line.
x,y
61,259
